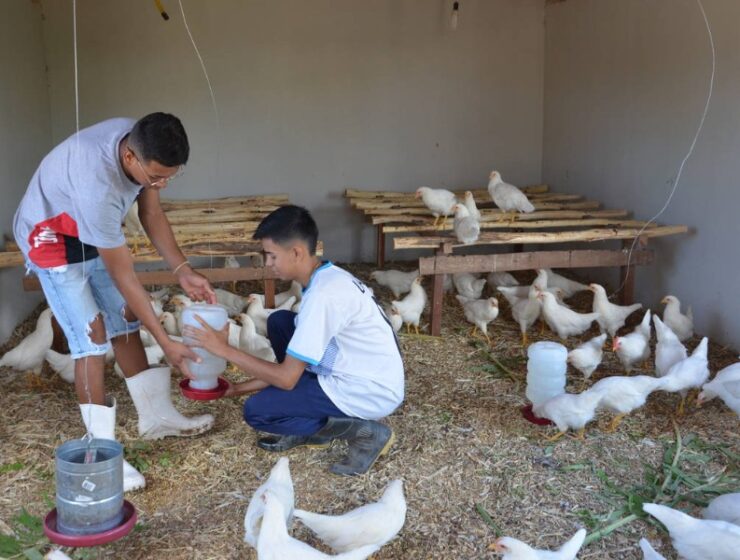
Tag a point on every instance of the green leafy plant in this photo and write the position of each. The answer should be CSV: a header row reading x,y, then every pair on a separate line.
x,y
688,473
28,539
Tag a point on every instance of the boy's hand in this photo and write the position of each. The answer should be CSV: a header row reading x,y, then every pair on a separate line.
x,y
208,338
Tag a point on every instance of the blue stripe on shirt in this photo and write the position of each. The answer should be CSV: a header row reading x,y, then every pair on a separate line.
x,y
298,356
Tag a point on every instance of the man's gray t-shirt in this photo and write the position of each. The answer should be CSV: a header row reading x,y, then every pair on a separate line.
x,y
77,199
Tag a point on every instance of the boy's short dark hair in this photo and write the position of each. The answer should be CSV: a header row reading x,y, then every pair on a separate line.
x,y
289,223
160,137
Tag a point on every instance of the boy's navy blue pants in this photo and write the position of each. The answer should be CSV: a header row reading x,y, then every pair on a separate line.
x,y
301,411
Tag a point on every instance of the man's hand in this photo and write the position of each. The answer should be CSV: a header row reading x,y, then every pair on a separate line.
x,y
196,286
216,342
177,355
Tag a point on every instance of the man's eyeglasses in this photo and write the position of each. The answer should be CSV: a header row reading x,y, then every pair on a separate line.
x,y
157,181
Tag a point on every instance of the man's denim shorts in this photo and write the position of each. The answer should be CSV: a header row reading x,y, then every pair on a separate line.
x,y
76,294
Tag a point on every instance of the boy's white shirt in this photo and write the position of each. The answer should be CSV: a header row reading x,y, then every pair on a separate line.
x,y
346,340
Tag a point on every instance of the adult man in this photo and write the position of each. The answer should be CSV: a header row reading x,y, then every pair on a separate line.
x,y
339,366
68,226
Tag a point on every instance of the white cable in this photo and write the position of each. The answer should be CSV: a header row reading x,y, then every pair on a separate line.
x,y
688,154
213,102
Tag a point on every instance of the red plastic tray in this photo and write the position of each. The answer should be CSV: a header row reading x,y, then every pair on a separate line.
x,y
129,520
530,416
204,394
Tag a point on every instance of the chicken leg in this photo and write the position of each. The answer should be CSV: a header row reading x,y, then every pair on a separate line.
x,y
556,437
614,424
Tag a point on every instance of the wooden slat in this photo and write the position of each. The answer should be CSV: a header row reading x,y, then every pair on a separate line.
x,y
538,224
505,238
11,258
352,192
583,205
381,207
165,277
581,258
485,216
232,201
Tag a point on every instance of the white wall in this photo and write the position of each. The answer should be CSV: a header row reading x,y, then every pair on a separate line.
x,y
316,96
25,136
625,84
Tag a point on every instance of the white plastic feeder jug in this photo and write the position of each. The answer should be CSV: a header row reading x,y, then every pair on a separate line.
x,y
207,371
546,369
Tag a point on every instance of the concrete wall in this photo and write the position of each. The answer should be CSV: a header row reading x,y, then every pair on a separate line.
x,y
316,96
625,85
25,135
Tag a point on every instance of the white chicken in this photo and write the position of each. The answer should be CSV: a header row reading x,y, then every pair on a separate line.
x,y
276,544
169,323
587,357
668,350
439,202
395,318
565,322
682,325
622,395
154,355
724,508
259,314
156,306
235,331
525,310
63,364
295,291
372,524
466,227
648,552
397,281
612,316
468,285
233,303
514,549
569,287
479,312
508,197
726,386
697,539
30,353
635,346
251,342
499,279
687,374
281,485
412,306
569,411
513,294
471,206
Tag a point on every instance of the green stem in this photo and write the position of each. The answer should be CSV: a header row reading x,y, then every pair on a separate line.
x,y
487,519
601,533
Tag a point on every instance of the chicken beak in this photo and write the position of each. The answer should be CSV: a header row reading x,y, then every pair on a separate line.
x,y
417,194
615,345
496,547
664,301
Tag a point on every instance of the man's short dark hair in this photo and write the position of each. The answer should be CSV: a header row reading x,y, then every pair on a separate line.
x,y
160,137
289,223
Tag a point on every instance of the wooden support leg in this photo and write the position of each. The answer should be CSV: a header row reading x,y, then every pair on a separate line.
x,y
269,293
380,246
437,297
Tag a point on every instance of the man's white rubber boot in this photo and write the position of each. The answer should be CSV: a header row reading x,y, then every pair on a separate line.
x,y
100,421
158,418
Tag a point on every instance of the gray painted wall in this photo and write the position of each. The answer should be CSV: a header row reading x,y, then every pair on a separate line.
x,y
316,96
625,85
25,135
